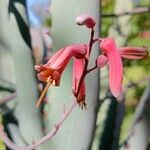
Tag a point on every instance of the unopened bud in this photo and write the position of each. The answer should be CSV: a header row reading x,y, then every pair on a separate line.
x,y
101,61
86,20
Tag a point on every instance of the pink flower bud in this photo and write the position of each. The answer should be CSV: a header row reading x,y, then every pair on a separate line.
x,y
101,61
86,20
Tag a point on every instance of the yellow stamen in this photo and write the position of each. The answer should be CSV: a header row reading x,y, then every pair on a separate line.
x,y
49,82
54,83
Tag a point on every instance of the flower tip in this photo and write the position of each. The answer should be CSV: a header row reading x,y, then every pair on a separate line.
x,y
86,20
116,87
37,67
117,94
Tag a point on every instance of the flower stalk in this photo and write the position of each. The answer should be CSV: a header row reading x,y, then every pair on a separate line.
x,y
51,72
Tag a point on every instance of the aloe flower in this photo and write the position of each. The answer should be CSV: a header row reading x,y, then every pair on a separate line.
x,y
51,71
78,88
108,47
58,62
110,55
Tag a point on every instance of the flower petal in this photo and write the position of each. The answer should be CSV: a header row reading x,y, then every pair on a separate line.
x,y
115,65
62,57
78,66
133,52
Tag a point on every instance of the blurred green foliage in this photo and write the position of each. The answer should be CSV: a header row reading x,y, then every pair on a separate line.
x,y
107,7
48,22
135,71
144,3
2,145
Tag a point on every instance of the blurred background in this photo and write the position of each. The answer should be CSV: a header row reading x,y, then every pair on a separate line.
x,y
30,32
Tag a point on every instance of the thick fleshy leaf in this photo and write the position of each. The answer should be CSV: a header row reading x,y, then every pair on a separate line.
x,y
108,46
133,52
78,66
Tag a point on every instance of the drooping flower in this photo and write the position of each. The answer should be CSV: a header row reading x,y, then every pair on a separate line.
x,y
51,71
86,20
78,87
57,63
108,47
110,55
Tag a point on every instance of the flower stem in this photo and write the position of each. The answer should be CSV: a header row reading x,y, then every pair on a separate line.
x,y
92,41
93,68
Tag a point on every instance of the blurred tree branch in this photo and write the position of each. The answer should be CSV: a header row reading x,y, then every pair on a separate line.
x,y
8,98
6,85
143,105
135,11
50,134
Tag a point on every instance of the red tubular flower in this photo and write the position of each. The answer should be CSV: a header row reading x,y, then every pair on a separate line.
x,y
57,63
78,88
52,70
112,56
108,46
